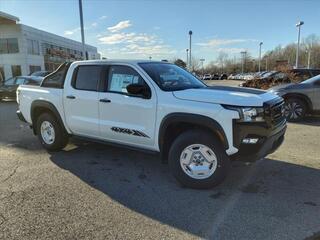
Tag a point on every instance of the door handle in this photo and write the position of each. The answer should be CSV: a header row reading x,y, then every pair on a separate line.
x,y
105,100
71,97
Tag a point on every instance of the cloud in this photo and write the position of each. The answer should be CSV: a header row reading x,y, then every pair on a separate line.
x,y
102,17
117,38
72,31
213,43
120,26
231,50
94,24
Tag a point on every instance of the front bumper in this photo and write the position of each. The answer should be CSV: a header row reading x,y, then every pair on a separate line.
x,y
20,116
269,139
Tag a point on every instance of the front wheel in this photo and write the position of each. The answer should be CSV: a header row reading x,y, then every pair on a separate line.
x,y
51,134
294,109
198,160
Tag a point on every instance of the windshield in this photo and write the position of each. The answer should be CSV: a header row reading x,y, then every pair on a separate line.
x,y
312,80
170,77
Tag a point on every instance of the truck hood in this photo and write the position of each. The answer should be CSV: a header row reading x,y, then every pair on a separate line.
x,y
235,96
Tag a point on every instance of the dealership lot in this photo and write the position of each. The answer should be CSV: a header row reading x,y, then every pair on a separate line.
x,y
94,191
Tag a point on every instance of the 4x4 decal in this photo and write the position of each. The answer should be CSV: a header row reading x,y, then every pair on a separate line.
x,y
129,131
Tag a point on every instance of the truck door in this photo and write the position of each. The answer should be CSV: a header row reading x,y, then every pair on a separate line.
x,y
125,118
81,101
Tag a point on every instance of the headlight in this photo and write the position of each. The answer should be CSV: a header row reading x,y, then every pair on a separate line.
x,y
252,114
248,114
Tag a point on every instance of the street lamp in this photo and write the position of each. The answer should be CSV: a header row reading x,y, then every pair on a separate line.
x,y
187,50
260,44
202,60
82,31
298,25
190,34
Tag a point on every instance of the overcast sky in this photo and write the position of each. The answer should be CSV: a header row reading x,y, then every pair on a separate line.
x,y
139,29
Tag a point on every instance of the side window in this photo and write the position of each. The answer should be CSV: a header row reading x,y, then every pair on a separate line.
x,y
120,77
87,77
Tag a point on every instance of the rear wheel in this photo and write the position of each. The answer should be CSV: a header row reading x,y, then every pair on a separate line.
x,y
51,134
294,109
198,160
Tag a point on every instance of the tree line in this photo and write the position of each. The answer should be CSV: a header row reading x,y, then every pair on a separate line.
x,y
271,60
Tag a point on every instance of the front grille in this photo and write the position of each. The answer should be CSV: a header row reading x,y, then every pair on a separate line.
x,y
274,111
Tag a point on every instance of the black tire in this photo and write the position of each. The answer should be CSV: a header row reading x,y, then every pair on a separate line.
x,y
295,109
61,136
198,137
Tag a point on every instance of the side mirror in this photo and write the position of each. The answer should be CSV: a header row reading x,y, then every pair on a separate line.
x,y
139,89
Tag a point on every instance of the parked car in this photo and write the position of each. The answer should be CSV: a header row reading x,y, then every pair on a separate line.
x,y
40,73
300,98
9,87
223,76
196,128
206,77
215,77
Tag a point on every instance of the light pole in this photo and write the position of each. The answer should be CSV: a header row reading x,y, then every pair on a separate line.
x,y
202,60
190,34
243,54
82,31
187,50
260,44
298,25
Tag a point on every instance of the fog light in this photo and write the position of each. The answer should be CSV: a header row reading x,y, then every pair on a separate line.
x,y
250,140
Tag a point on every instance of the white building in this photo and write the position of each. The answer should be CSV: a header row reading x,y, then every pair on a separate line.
x,y
24,49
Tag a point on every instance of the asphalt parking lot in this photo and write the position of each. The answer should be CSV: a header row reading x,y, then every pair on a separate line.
x,y
94,191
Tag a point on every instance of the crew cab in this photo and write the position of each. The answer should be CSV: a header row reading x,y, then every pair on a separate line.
x,y
158,107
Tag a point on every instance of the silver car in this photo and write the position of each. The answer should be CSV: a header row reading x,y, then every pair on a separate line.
x,y
300,98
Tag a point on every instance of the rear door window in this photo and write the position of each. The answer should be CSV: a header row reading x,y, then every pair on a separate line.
x,y
87,77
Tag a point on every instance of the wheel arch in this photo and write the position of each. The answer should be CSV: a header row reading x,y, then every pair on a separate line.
x,y
40,106
175,123
301,96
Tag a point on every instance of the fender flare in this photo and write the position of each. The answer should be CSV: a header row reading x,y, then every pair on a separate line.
x,y
196,119
46,105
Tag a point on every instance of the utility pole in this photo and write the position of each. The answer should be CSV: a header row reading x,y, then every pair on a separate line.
x,y
82,31
190,35
260,44
187,50
298,25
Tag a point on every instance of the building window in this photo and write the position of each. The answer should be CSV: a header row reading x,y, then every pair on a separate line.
x,y
9,45
16,70
33,47
34,69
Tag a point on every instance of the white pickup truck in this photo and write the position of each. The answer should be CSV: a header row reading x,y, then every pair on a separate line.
x,y
155,106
